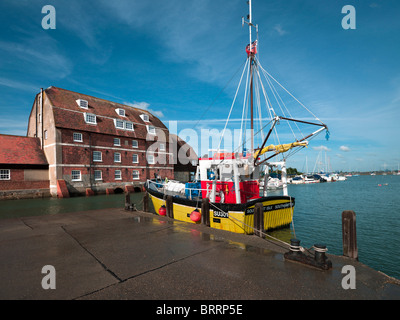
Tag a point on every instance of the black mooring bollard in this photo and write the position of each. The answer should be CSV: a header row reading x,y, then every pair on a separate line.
x,y
320,250
294,246
319,260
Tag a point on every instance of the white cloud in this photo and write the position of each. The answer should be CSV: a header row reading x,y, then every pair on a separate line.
x,y
321,148
40,49
278,28
144,106
344,148
18,85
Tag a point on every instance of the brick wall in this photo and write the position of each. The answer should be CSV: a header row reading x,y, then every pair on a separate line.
x,y
79,156
17,182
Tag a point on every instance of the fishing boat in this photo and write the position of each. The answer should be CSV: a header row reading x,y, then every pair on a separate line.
x,y
230,181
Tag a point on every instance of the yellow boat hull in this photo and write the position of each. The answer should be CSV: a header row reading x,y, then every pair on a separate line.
x,y
278,213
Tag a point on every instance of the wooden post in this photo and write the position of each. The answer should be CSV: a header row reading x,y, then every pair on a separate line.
x,y
170,207
127,201
258,219
349,234
146,202
205,211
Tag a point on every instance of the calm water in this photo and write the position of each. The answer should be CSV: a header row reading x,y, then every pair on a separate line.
x,y
317,216
376,202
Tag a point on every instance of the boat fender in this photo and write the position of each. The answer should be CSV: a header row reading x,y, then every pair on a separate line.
x,y
222,196
162,211
195,216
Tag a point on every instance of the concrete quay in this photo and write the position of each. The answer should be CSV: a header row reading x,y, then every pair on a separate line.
x,y
113,254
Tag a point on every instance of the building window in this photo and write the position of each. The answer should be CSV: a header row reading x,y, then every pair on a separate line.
x,y
119,124
117,142
45,134
135,158
129,125
162,146
5,174
82,103
98,175
117,157
117,175
120,112
150,159
97,156
90,118
145,117
135,174
76,175
77,137
135,144
151,129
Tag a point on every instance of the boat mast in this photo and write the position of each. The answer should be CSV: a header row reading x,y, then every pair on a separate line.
x,y
252,50
251,57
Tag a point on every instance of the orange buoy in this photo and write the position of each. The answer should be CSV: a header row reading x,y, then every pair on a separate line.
x,y
195,216
162,211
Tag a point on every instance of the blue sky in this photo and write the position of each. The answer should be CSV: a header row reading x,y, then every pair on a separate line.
x,y
175,57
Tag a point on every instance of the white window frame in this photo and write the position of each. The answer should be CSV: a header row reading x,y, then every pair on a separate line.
x,y
118,140
116,121
132,128
151,131
88,116
119,156
137,144
5,174
120,175
162,147
120,112
150,156
82,103
137,173
137,158
144,117
97,153
98,178
72,175
75,135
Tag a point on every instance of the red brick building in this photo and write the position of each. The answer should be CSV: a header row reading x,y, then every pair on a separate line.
x,y
23,168
94,145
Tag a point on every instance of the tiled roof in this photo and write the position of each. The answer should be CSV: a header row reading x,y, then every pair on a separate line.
x,y
67,114
21,150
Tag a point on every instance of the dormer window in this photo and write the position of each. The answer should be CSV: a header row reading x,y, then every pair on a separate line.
x,y
120,112
82,103
119,124
151,129
124,125
145,117
90,118
128,125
